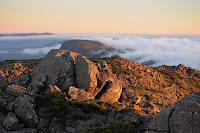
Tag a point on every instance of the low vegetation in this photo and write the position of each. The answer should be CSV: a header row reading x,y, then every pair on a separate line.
x,y
58,105
117,128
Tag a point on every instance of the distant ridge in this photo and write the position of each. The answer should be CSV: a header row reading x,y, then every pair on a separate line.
x,y
26,34
89,48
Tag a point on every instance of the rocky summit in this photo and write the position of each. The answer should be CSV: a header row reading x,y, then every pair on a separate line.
x,y
70,93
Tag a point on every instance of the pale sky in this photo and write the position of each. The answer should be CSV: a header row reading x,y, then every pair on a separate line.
x,y
101,16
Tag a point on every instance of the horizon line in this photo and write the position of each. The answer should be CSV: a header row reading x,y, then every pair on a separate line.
x,y
105,33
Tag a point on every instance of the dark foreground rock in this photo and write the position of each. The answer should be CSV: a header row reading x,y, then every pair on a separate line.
x,y
183,117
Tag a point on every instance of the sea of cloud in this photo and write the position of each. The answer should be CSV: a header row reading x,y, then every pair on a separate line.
x,y
162,49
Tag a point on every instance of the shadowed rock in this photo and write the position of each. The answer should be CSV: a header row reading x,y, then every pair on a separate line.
x,y
183,117
25,110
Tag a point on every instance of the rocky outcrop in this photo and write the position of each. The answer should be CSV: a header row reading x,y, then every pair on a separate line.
x,y
183,117
79,94
67,69
15,90
57,68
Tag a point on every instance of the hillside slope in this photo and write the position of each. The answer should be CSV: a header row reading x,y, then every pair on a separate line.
x,y
67,92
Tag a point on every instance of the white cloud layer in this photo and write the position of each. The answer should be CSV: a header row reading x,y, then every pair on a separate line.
x,y
164,49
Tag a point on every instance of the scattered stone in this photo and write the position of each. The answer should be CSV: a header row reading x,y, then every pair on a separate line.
x,y
11,122
25,111
130,97
79,94
3,82
11,107
151,108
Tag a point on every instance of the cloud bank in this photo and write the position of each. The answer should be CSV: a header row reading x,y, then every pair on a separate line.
x,y
163,49
38,51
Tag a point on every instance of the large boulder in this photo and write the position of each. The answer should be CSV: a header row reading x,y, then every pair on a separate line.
x,y
183,117
79,94
111,92
109,88
56,68
25,110
86,74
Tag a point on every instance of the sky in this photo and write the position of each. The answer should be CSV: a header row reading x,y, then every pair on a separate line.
x,y
101,16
